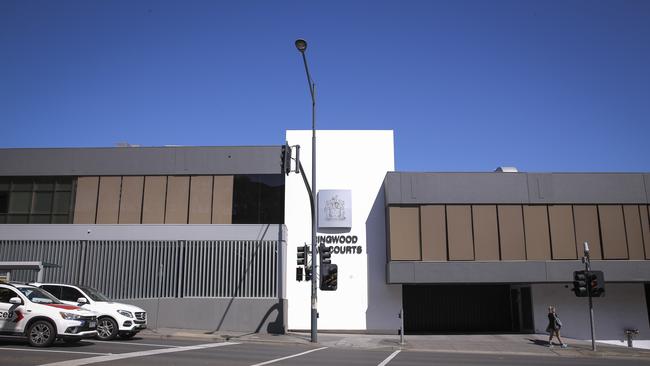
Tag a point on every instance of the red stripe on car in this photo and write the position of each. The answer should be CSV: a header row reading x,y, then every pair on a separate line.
x,y
64,307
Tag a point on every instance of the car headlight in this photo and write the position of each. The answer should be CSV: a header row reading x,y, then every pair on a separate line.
x,y
70,316
125,313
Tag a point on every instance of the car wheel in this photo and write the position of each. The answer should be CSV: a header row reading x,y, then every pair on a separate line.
x,y
128,335
41,334
106,329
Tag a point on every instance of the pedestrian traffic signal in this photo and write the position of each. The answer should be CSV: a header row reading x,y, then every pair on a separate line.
x,y
580,287
328,277
302,255
596,283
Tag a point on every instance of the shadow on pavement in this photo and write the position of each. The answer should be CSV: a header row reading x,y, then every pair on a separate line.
x,y
539,342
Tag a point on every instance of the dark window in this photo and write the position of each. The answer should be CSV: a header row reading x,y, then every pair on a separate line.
x,y
20,202
61,202
70,294
4,184
54,290
4,202
647,299
44,184
22,184
6,294
35,200
17,219
258,199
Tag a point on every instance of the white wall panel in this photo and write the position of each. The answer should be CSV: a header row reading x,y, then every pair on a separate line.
x,y
358,161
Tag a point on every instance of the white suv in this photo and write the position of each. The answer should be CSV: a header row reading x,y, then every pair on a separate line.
x,y
28,311
113,318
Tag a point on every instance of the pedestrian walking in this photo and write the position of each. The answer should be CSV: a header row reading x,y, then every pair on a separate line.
x,y
554,326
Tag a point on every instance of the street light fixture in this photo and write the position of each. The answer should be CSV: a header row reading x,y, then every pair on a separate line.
x,y
301,45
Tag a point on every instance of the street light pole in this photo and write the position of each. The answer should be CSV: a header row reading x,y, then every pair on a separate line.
x,y
301,45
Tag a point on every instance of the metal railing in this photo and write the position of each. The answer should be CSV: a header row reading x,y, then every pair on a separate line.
x,y
155,269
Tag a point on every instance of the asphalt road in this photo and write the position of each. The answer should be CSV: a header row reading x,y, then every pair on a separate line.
x,y
148,352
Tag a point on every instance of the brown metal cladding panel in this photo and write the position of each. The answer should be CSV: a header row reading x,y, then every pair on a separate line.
x,y
178,189
511,232
633,231
459,232
587,230
200,200
486,233
153,206
434,233
645,224
108,203
563,237
85,206
612,228
538,241
222,199
404,228
131,200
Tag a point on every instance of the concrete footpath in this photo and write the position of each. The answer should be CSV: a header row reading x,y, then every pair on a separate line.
x,y
498,344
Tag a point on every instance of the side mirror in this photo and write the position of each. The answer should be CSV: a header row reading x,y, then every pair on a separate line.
x,y
82,300
15,301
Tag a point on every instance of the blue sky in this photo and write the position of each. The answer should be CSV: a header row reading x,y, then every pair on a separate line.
x,y
465,85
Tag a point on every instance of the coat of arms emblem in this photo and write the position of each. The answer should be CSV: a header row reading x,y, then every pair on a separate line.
x,y
335,209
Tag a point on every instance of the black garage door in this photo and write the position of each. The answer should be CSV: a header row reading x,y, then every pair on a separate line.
x,y
466,309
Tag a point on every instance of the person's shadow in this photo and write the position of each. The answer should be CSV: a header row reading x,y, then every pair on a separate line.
x,y
539,342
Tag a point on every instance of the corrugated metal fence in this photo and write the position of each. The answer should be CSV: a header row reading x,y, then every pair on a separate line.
x,y
154,269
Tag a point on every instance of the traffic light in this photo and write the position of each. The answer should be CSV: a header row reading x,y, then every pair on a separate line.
x,y
286,159
596,283
328,271
302,255
328,277
307,273
298,274
580,283
325,255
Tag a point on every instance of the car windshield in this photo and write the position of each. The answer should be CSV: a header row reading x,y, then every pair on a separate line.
x,y
94,294
38,296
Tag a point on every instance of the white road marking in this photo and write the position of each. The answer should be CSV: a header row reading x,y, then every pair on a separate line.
x,y
387,360
51,350
137,344
121,356
288,357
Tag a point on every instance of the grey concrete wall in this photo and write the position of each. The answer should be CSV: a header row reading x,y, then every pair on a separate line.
x,y
512,271
216,314
624,306
141,161
516,188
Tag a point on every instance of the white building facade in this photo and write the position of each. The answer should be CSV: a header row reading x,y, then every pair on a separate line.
x,y
346,160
